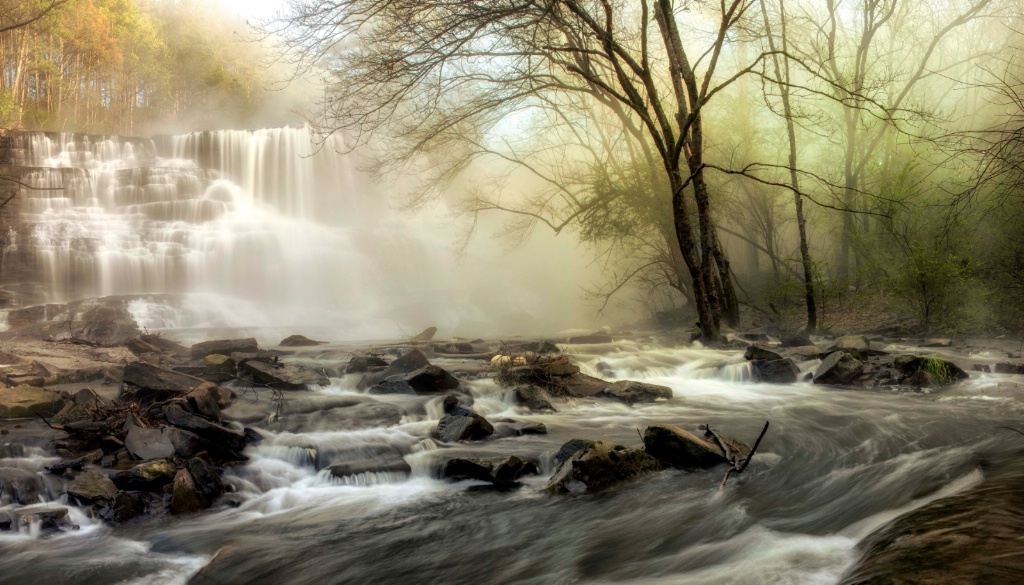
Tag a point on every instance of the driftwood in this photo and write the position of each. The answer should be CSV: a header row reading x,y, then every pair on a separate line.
x,y
737,463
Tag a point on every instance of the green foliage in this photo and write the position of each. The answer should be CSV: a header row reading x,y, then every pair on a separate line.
x,y
938,369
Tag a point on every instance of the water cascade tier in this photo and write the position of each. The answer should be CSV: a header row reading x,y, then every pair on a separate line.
x,y
249,228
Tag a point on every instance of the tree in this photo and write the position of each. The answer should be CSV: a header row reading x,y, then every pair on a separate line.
x,y
427,74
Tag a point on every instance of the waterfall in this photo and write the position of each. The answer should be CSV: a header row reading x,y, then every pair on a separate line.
x,y
258,228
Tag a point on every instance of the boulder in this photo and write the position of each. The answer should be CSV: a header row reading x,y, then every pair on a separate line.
x,y
206,479
225,347
926,372
450,405
756,352
160,443
500,471
397,386
408,363
91,487
11,451
365,363
805,353
150,476
431,380
632,392
299,341
123,508
796,339
680,448
774,371
570,448
185,495
204,400
26,401
23,486
145,382
284,376
452,428
533,397
219,437
838,368
599,466
556,374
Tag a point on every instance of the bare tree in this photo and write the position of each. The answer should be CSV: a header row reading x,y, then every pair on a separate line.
x,y
428,74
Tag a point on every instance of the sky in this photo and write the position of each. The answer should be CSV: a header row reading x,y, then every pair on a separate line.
x,y
253,8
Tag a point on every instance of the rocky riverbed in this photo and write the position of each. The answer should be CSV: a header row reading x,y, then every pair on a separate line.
x,y
126,456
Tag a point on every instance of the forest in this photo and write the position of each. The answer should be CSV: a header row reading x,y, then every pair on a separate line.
x,y
805,164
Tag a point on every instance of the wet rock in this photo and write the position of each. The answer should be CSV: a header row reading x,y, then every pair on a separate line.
x,y
937,342
533,397
155,343
218,436
123,508
283,376
450,405
408,363
927,372
984,368
398,386
91,487
203,400
501,471
353,414
1005,368
390,463
145,382
225,347
299,341
805,353
149,476
632,392
6,521
185,495
796,339
160,443
838,368
206,479
971,538
570,448
534,347
21,485
776,371
452,428
756,352
361,364
51,519
557,375
680,448
28,401
62,467
599,466
431,380
519,429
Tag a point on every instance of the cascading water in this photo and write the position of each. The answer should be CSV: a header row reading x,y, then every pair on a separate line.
x,y
259,228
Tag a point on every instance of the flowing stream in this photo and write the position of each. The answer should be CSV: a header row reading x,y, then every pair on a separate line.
x,y
834,466
252,230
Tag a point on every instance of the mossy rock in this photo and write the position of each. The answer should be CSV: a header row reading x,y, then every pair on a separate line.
x,y
26,401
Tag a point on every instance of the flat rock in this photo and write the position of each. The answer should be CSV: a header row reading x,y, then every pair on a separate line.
x,y
145,382
49,517
92,487
160,443
855,342
284,376
390,463
361,364
632,392
26,401
225,347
